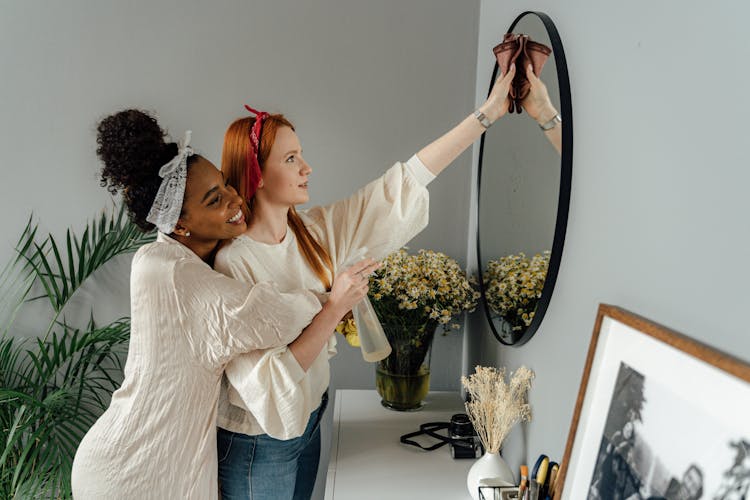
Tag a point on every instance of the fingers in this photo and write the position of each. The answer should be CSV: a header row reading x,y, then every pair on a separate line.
x,y
364,272
358,292
361,266
510,74
533,79
506,79
370,269
502,84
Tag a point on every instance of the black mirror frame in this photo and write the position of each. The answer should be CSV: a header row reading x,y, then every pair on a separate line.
x,y
563,205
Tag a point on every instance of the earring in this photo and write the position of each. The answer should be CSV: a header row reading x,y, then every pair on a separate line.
x,y
187,234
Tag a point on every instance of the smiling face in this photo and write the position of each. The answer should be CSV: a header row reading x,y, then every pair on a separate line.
x,y
285,172
211,208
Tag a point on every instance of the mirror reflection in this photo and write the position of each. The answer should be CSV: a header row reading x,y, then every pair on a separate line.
x,y
519,189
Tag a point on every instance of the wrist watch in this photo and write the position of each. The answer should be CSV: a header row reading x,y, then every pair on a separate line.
x,y
551,124
482,119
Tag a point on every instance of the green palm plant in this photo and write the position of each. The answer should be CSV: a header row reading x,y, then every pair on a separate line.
x,y
54,387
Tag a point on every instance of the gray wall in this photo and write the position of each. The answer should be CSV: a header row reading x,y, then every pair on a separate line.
x,y
366,83
658,217
658,213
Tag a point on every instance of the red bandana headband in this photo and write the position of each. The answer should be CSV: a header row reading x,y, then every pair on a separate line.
x,y
252,168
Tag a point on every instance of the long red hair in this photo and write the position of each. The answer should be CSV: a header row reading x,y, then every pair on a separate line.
x,y
233,165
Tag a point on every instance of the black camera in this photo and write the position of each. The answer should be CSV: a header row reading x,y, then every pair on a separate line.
x,y
464,440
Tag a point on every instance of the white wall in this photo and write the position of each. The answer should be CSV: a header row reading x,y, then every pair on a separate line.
x,y
659,211
366,83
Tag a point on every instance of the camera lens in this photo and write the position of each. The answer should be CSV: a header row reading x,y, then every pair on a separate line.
x,y
460,426
464,444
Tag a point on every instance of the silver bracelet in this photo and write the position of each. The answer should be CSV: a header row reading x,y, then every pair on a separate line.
x,y
552,123
482,119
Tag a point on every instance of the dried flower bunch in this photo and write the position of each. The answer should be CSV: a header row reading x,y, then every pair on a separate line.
x,y
496,406
514,285
429,283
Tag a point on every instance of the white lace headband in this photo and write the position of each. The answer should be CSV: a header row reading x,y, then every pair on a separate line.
x,y
167,206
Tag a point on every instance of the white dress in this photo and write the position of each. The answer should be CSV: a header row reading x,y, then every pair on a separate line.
x,y
266,391
157,439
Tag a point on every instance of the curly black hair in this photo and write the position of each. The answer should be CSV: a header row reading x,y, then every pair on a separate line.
x,y
131,144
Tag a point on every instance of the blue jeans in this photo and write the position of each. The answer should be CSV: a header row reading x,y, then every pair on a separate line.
x,y
263,468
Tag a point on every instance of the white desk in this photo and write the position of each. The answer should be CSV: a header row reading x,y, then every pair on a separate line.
x,y
369,463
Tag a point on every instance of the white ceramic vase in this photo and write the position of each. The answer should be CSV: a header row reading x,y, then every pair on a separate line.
x,y
490,466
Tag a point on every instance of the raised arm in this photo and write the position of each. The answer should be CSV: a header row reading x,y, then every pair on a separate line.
x,y
539,107
441,152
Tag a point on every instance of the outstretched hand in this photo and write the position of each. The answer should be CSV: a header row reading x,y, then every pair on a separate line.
x,y
537,103
497,103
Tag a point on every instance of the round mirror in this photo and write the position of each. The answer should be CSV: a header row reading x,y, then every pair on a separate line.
x,y
524,187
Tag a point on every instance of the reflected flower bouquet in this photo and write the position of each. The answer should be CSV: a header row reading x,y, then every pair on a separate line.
x,y
514,285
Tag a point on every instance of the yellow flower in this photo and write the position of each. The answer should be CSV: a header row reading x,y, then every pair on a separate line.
x,y
352,339
348,328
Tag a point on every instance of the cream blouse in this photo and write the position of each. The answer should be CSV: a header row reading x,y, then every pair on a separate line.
x,y
266,391
157,439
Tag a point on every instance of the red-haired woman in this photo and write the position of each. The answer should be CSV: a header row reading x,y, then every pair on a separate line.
x,y
269,439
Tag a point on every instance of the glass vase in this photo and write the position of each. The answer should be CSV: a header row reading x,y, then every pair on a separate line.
x,y
403,378
402,392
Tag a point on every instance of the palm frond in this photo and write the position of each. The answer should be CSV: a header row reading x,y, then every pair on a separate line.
x,y
109,236
16,279
65,386
54,387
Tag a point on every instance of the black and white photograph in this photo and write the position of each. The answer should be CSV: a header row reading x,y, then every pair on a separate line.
x,y
637,457
662,418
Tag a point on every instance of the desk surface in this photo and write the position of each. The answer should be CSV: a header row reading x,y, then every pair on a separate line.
x,y
369,462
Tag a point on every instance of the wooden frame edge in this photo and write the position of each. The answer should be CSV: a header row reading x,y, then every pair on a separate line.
x,y
694,348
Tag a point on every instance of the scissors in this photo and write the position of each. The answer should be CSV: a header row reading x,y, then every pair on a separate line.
x,y
539,478
551,479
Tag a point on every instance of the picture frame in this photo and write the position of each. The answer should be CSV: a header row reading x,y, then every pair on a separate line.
x,y
658,415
